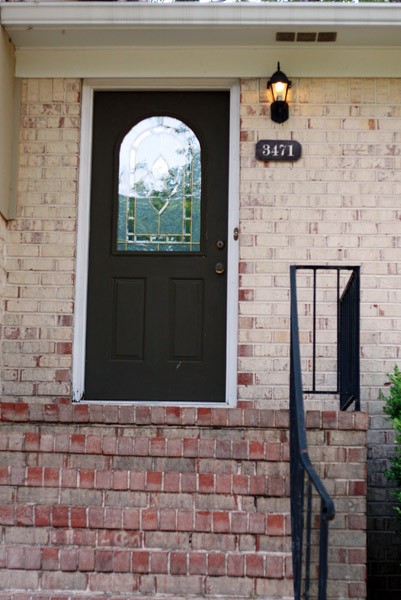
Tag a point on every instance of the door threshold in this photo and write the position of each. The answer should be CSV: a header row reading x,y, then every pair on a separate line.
x,y
188,404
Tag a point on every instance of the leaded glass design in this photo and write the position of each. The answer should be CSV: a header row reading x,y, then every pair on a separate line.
x,y
159,193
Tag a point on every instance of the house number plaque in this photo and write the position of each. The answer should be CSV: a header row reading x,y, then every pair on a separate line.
x,y
278,150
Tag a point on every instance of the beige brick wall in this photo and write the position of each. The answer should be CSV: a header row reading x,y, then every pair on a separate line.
x,y
40,254
339,204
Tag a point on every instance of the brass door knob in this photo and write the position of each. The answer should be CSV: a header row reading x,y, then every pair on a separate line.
x,y
219,268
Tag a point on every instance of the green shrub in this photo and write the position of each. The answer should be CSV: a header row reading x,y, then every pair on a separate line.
x,y
392,408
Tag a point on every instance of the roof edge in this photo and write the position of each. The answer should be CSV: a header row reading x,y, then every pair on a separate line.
x,y
296,14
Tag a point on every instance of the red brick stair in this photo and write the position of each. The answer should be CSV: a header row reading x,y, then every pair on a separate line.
x,y
169,502
131,502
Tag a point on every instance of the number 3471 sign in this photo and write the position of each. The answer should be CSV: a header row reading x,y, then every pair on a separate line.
x,y
278,150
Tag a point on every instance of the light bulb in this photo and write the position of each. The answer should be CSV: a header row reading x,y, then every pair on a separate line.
x,y
280,87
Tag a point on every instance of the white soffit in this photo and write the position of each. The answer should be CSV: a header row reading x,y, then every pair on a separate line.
x,y
123,39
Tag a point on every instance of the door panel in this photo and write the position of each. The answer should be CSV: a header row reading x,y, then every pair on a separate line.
x,y
156,320
186,319
128,319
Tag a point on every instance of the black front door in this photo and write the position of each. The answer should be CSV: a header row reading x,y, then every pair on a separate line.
x,y
156,318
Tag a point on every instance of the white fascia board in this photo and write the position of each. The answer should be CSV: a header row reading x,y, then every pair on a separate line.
x,y
184,14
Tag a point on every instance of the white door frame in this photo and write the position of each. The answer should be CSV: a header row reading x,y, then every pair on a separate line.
x,y
82,261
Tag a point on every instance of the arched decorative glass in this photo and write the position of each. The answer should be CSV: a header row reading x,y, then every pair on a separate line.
x,y
159,191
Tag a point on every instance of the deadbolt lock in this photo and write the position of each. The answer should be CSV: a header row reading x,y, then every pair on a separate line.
x,y
220,244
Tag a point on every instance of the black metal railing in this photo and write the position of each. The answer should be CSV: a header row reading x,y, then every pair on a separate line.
x,y
347,318
310,530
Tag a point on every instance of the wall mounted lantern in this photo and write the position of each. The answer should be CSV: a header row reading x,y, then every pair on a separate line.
x,y
279,84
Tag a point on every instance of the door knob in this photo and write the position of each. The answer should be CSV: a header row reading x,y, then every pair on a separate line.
x,y
219,268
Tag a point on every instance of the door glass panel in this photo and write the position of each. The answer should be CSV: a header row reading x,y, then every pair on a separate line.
x,y
159,193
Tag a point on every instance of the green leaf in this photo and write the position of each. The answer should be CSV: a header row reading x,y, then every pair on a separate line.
x,y
392,408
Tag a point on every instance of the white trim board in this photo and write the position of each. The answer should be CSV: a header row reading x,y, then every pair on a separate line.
x,y
210,61
79,342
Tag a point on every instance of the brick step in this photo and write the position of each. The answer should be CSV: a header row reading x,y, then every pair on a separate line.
x,y
267,445
216,564
137,499
232,520
158,506
169,468
91,586
157,464
151,481
126,415
143,415
118,502
119,596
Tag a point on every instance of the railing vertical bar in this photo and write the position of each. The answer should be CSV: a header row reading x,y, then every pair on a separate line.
x,y
339,332
357,273
314,332
308,540
323,547
297,440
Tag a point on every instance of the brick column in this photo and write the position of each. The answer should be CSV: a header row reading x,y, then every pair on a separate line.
x,y
39,295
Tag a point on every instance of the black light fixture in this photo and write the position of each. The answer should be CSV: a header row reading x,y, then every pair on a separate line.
x,y
279,84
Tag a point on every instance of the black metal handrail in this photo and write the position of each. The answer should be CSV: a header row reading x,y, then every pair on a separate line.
x,y
302,473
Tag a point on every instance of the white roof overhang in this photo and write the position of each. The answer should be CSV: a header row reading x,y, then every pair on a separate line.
x,y
123,39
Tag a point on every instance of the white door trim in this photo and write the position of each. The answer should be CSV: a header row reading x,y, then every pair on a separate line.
x,y
79,343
